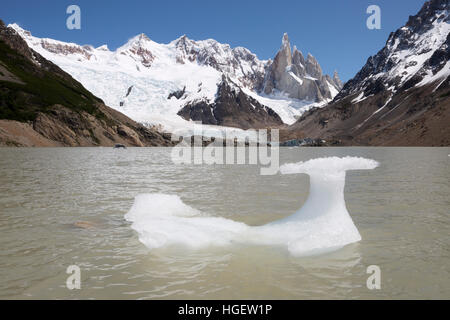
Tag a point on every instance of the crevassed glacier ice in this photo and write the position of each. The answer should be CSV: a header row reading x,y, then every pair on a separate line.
x,y
322,224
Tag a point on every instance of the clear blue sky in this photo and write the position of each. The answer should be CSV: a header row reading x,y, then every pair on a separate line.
x,y
333,31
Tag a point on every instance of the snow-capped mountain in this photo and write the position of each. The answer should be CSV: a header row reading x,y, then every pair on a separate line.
x,y
400,97
143,79
41,105
239,63
414,55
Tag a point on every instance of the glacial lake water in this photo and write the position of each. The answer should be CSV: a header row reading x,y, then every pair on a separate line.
x,y
65,206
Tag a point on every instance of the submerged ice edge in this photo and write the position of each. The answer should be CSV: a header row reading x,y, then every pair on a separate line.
x,y
322,224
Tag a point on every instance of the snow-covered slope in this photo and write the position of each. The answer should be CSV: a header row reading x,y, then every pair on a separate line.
x,y
138,78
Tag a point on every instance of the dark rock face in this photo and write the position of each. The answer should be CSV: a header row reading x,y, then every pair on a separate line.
x,y
438,60
15,42
232,108
177,94
129,91
198,111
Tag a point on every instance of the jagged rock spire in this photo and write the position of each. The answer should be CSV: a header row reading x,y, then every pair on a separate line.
x,y
284,56
337,80
297,57
285,41
296,76
312,67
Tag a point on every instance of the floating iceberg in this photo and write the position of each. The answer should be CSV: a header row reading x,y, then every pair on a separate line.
x,y
322,224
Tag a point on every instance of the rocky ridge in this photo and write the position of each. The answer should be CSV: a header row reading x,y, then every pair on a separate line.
x,y
401,97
